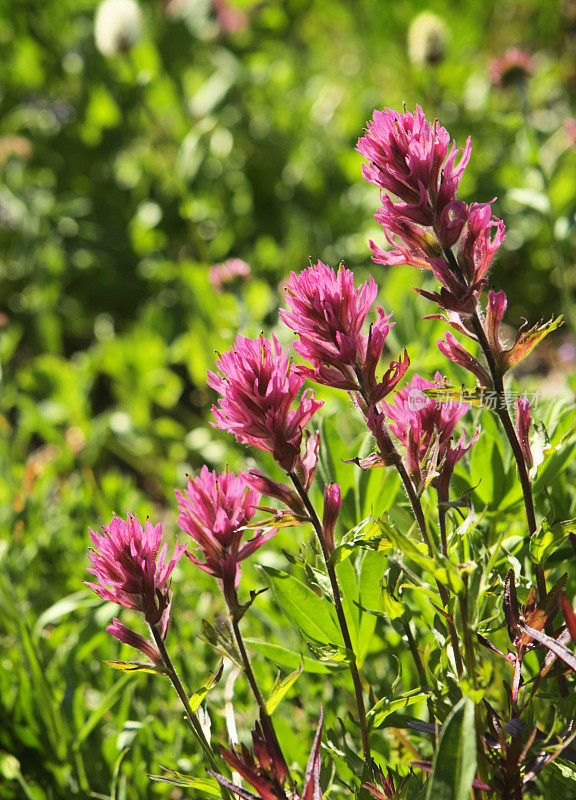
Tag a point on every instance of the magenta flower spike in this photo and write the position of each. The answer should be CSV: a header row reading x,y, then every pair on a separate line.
x,y
130,565
215,510
258,388
425,427
328,314
414,161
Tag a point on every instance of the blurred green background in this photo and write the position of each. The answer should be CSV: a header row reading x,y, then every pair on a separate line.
x,y
217,130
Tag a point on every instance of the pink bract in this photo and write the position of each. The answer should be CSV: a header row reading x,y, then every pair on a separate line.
x,y
214,510
328,314
258,387
411,407
129,562
415,162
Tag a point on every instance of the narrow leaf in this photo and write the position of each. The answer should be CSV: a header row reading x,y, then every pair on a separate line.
x,y
208,684
136,666
556,647
289,658
175,778
454,764
281,688
314,615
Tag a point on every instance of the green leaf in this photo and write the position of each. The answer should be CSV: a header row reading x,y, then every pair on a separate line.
x,y
454,764
174,778
288,658
208,684
386,706
331,652
487,471
136,666
555,460
439,567
313,615
371,572
548,539
364,536
281,688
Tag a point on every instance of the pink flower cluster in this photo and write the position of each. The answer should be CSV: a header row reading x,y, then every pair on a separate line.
x,y
328,315
258,388
214,511
425,426
222,274
129,562
414,161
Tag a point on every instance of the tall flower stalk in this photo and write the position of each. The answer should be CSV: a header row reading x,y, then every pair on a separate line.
x,y
412,160
215,511
129,562
259,403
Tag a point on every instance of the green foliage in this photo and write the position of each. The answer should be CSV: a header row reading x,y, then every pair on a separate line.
x,y
454,764
122,180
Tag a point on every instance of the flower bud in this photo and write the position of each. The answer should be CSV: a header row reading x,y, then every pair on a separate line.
x,y
332,505
427,39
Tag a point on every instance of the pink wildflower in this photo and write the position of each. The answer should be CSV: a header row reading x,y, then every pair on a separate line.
x,y
221,274
511,69
130,565
215,510
453,350
127,636
478,241
425,427
229,18
414,161
332,506
328,314
258,387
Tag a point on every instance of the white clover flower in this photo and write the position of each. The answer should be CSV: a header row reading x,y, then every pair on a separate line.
x,y
427,38
117,26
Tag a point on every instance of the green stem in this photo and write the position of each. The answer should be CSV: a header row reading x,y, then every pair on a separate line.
x,y
444,594
340,614
506,421
252,680
469,656
191,717
424,685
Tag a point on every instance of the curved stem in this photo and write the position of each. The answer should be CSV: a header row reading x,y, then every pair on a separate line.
x,y
510,431
387,448
340,614
507,424
191,717
264,715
